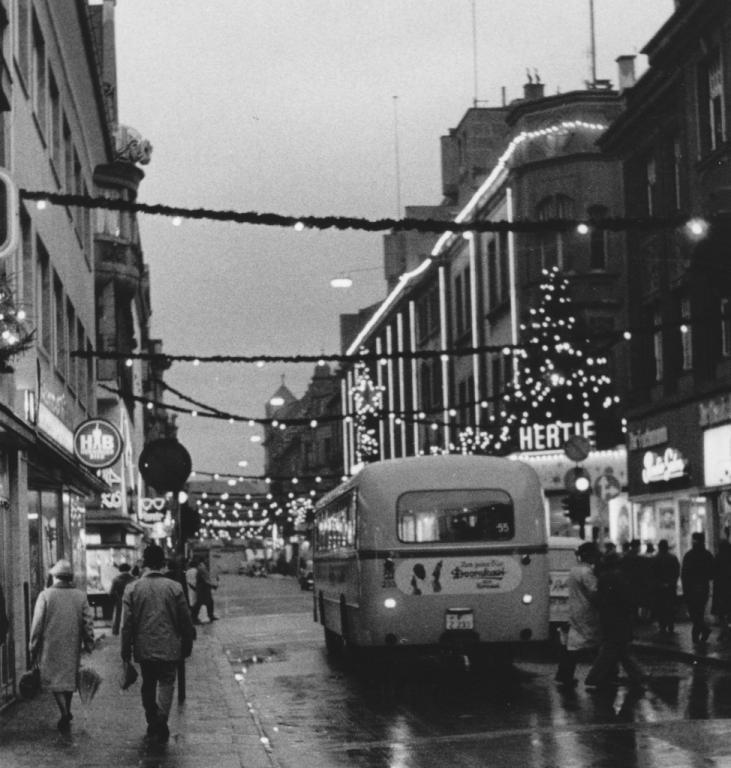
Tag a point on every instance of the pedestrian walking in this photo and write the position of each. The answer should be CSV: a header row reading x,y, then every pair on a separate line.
x,y
158,632
191,574
583,632
721,602
62,626
616,619
204,586
119,583
696,574
665,569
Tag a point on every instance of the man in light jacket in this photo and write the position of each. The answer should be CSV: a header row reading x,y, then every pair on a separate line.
x,y
158,630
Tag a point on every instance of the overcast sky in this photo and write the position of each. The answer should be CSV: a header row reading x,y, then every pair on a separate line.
x,y
288,106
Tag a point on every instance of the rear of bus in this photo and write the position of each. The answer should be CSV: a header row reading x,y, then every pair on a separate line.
x,y
451,551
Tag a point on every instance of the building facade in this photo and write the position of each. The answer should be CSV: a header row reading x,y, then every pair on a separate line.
x,y
71,267
454,314
673,141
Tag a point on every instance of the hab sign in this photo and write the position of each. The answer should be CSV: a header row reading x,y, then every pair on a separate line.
x,y
457,575
97,443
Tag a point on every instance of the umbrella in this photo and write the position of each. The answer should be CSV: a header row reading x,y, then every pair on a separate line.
x,y
88,682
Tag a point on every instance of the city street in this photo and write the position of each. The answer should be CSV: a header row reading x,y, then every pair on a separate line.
x,y
262,693
317,711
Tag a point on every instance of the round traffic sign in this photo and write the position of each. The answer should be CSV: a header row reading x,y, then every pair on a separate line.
x,y
577,447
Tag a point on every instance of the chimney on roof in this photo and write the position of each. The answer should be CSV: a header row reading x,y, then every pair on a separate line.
x,y
626,72
533,89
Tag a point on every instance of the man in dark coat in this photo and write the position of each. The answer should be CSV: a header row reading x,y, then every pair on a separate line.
x,y
696,575
616,616
665,572
119,584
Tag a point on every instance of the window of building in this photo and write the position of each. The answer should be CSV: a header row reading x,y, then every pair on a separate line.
x,y
81,374
68,157
434,313
496,374
651,186
657,341
675,178
73,362
45,315
711,107
24,42
552,244
54,126
458,305
686,335
504,258
597,238
467,303
726,327
492,272
425,385
27,287
60,329
38,77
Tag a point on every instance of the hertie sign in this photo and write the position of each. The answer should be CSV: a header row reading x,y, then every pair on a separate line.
x,y
97,443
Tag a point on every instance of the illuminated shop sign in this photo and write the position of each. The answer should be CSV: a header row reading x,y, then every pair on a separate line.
x,y
670,466
97,443
549,437
717,455
644,438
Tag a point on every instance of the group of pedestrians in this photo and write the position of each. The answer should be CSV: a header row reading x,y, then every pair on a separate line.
x,y
156,630
601,615
607,593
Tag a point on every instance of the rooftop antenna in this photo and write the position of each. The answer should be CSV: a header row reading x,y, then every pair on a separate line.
x,y
398,164
474,52
592,49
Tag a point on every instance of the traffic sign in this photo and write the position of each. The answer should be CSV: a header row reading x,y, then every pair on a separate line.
x,y
577,447
607,487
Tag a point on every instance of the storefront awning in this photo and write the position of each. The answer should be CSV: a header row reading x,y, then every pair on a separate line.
x,y
97,518
14,431
49,465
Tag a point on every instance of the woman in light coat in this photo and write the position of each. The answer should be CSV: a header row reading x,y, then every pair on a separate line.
x,y
584,628
62,624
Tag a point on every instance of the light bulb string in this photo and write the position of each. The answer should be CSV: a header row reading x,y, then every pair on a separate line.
x,y
365,224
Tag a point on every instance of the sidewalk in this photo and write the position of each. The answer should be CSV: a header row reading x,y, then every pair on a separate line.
x,y
213,727
680,646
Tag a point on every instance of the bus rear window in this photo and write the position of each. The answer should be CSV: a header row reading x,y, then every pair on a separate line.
x,y
455,516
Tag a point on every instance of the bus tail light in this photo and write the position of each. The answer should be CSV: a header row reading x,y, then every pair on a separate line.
x,y
527,599
389,602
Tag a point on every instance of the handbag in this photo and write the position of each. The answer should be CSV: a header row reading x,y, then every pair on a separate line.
x,y
129,675
30,683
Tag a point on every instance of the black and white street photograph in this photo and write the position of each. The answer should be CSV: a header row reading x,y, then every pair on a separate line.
x,y
365,383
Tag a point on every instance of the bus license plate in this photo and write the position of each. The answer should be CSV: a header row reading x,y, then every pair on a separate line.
x,y
460,618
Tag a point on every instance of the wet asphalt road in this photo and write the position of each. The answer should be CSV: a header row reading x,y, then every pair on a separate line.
x,y
327,712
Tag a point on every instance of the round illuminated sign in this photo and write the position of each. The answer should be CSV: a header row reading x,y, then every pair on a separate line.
x,y
97,443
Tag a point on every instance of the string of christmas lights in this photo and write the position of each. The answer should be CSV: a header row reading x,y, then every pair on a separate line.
x,y
613,337
365,224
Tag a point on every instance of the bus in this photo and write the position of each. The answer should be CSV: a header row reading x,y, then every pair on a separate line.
x,y
433,552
